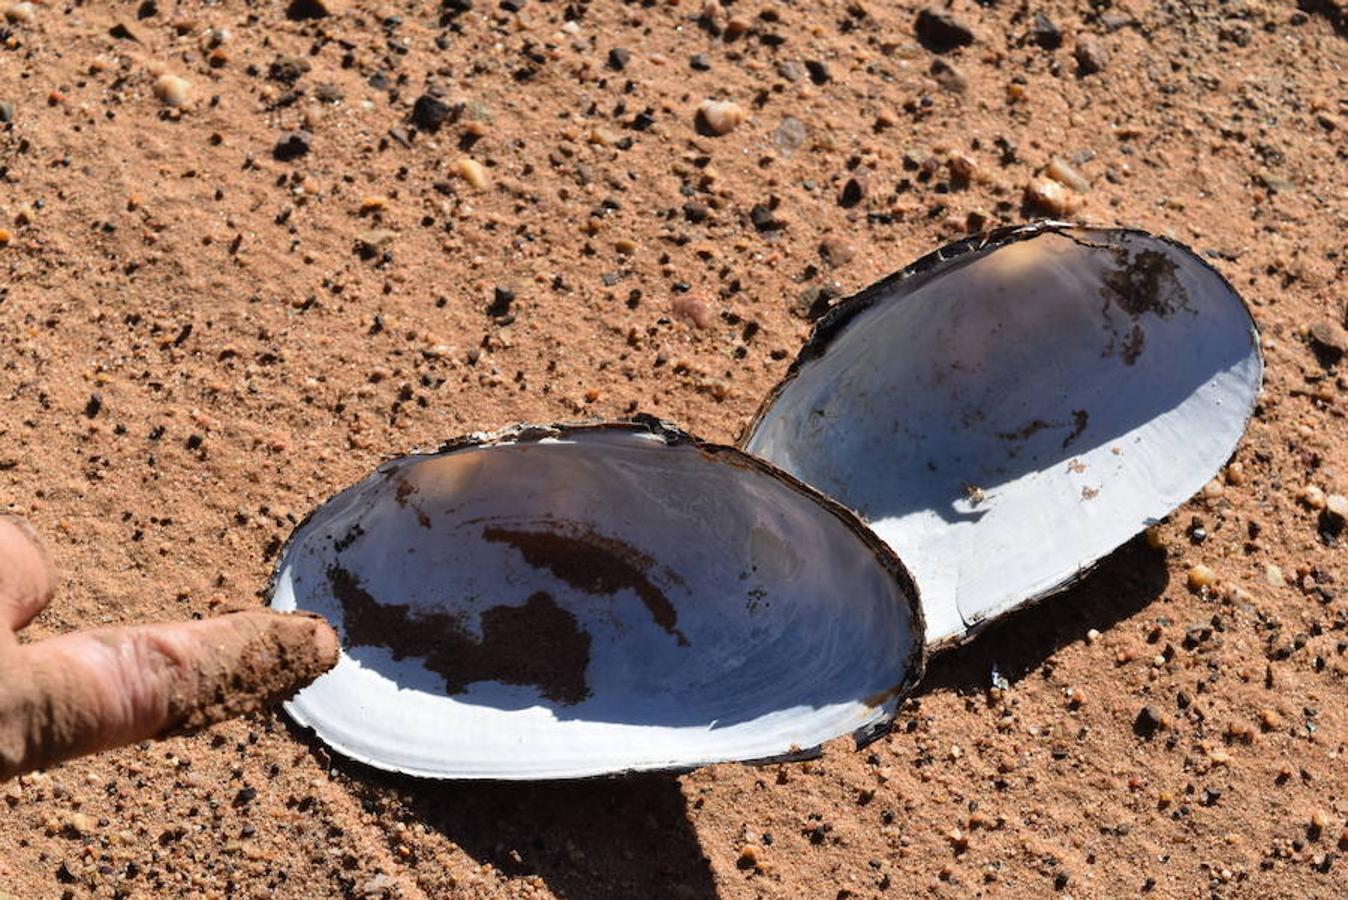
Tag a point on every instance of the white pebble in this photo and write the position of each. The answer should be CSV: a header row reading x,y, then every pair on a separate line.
x,y
720,116
172,90
21,14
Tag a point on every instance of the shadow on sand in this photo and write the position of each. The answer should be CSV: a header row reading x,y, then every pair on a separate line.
x,y
631,837
1122,585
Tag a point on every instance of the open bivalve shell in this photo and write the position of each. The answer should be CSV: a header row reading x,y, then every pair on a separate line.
x,y
572,601
1010,409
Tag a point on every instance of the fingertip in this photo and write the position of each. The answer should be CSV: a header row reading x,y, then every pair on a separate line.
x,y
27,573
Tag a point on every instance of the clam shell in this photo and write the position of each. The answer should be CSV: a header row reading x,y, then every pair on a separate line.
x,y
1008,410
570,601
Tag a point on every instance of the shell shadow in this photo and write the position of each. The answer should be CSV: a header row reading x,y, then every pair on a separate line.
x,y
1122,585
596,838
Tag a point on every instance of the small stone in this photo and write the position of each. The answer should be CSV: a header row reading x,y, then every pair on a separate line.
x,y
963,169
1200,576
6,111
1092,635
1047,195
751,857
1064,174
625,246
1044,33
854,190
328,93
93,406
5,236
764,219
720,117
1269,719
1273,576
939,31
618,59
1090,55
430,112
699,62
292,145
288,69
1319,822
788,136
1149,721
736,26
1334,516
1327,342
1312,497
502,297
791,70
313,9
948,77
695,212
472,171
512,6
693,311
371,243
818,71
172,90
835,251
21,14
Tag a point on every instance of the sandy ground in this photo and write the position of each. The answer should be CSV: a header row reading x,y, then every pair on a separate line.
x,y
201,341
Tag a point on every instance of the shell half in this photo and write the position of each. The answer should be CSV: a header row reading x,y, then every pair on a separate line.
x,y
1010,409
573,601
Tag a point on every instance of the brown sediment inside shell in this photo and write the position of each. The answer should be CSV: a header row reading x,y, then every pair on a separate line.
x,y
593,563
537,644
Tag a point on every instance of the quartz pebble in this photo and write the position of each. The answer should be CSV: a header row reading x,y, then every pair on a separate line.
x,y
693,311
472,171
1051,197
1200,576
720,117
172,90
21,14
1064,174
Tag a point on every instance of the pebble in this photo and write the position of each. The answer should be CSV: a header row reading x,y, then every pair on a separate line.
x,y
5,236
818,71
172,90
1313,497
618,58
788,136
1335,513
472,171
1090,55
835,251
1049,196
751,857
854,190
720,117
699,62
430,112
21,14
1200,576
695,212
313,9
693,311
1044,32
1064,174
1327,343
292,145
288,69
948,77
6,111
764,219
1149,721
791,70
939,31
1273,576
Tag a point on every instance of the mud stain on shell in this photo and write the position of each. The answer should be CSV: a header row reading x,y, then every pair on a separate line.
x,y
1142,283
595,564
1080,418
403,495
538,644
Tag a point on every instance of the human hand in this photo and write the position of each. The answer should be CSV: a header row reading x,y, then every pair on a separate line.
x,y
93,690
